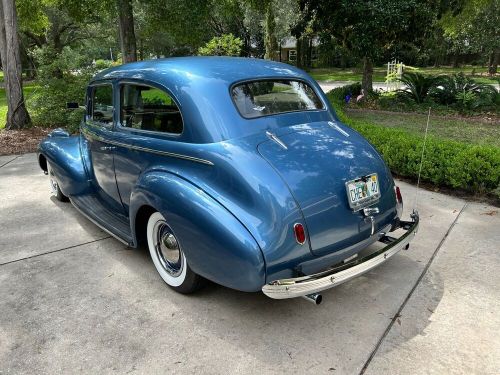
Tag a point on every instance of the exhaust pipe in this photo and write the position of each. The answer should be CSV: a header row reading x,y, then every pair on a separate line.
x,y
315,298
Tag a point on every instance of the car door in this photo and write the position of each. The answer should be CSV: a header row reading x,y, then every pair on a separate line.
x,y
98,131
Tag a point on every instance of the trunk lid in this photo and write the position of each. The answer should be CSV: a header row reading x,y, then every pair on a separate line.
x,y
316,164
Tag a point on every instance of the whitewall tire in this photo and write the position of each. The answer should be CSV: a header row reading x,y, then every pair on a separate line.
x,y
169,259
54,185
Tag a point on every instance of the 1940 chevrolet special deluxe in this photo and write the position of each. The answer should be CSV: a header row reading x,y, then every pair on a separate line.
x,y
229,169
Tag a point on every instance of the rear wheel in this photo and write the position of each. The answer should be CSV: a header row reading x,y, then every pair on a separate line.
x,y
168,257
54,186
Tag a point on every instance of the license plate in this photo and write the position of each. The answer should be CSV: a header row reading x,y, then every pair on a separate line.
x,y
362,191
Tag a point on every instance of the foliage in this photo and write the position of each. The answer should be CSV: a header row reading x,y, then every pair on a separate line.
x,y
418,85
464,93
225,45
48,103
472,26
339,94
474,168
368,28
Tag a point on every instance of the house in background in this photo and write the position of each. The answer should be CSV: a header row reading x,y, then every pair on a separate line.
x,y
288,50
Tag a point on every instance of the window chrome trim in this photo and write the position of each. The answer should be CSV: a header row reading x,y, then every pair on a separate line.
x,y
91,134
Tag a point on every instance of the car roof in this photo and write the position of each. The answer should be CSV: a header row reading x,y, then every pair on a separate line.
x,y
201,87
227,69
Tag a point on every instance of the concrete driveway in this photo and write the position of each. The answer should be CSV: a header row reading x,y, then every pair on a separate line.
x,y
75,300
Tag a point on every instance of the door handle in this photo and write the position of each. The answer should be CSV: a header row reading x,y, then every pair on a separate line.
x,y
108,148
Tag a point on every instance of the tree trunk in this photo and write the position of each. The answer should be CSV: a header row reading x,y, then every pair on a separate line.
x,y
367,82
299,52
270,40
17,115
493,63
127,34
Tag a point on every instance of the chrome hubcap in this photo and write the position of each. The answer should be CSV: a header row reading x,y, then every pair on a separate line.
x,y
53,182
168,249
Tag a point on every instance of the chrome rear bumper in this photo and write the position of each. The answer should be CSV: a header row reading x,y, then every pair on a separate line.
x,y
305,285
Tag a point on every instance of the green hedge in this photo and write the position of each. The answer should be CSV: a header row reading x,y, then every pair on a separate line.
x,y
474,168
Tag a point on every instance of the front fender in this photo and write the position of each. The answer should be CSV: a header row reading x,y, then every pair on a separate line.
x,y
217,246
64,155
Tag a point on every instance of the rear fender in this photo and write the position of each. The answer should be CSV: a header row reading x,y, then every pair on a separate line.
x,y
64,154
217,246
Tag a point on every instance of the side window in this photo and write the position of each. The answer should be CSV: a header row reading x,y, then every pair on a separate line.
x,y
149,108
102,104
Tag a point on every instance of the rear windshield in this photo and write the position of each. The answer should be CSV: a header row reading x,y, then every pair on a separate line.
x,y
269,97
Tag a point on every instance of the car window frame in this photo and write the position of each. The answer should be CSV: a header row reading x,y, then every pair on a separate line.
x,y
259,79
153,85
90,104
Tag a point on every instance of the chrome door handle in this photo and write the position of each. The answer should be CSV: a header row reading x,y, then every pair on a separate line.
x,y
108,148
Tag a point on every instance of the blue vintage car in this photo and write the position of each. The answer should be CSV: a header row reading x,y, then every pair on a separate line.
x,y
233,170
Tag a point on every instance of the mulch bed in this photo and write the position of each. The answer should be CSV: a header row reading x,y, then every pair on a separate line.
x,y
14,142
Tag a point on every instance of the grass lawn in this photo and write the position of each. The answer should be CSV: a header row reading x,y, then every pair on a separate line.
x,y
379,73
454,128
28,89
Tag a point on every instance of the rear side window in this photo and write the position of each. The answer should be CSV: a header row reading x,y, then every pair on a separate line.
x,y
102,104
149,108
269,97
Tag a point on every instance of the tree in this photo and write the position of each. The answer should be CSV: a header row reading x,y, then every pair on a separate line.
x,y
126,29
17,115
369,27
225,45
473,27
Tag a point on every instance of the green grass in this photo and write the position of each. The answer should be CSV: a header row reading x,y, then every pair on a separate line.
x,y
28,89
453,128
379,73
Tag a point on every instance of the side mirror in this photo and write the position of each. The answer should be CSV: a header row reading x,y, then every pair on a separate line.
x,y
72,105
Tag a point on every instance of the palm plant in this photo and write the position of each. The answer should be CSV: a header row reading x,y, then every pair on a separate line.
x,y
418,86
453,87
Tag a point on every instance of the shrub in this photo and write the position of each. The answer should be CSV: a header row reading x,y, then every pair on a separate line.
x,y
62,79
225,45
473,168
418,86
339,94
462,91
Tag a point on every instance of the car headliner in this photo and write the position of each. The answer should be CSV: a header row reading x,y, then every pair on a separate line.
x,y
201,87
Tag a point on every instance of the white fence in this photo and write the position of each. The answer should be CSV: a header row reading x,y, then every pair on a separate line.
x,y
394,72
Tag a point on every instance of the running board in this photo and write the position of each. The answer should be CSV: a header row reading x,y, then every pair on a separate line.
x,y
117,226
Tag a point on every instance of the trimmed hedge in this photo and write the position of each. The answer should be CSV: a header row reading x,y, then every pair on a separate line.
x,y
474,168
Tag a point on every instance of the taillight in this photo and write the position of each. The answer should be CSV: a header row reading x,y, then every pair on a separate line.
x,y
399,197
300,234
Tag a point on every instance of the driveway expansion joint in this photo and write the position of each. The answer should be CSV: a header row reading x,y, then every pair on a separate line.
x,y
10,161
54,251
412,290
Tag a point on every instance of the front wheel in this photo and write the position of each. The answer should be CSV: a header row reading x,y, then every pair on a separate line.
x,y
168,257
54,186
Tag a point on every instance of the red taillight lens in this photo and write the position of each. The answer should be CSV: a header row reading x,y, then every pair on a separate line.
x,y
300,234
399,197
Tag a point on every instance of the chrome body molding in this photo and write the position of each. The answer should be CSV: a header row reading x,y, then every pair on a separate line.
x,y
310,284
89,133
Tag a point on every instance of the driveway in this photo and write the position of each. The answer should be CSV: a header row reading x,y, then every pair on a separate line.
x,y
74,300
377,86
